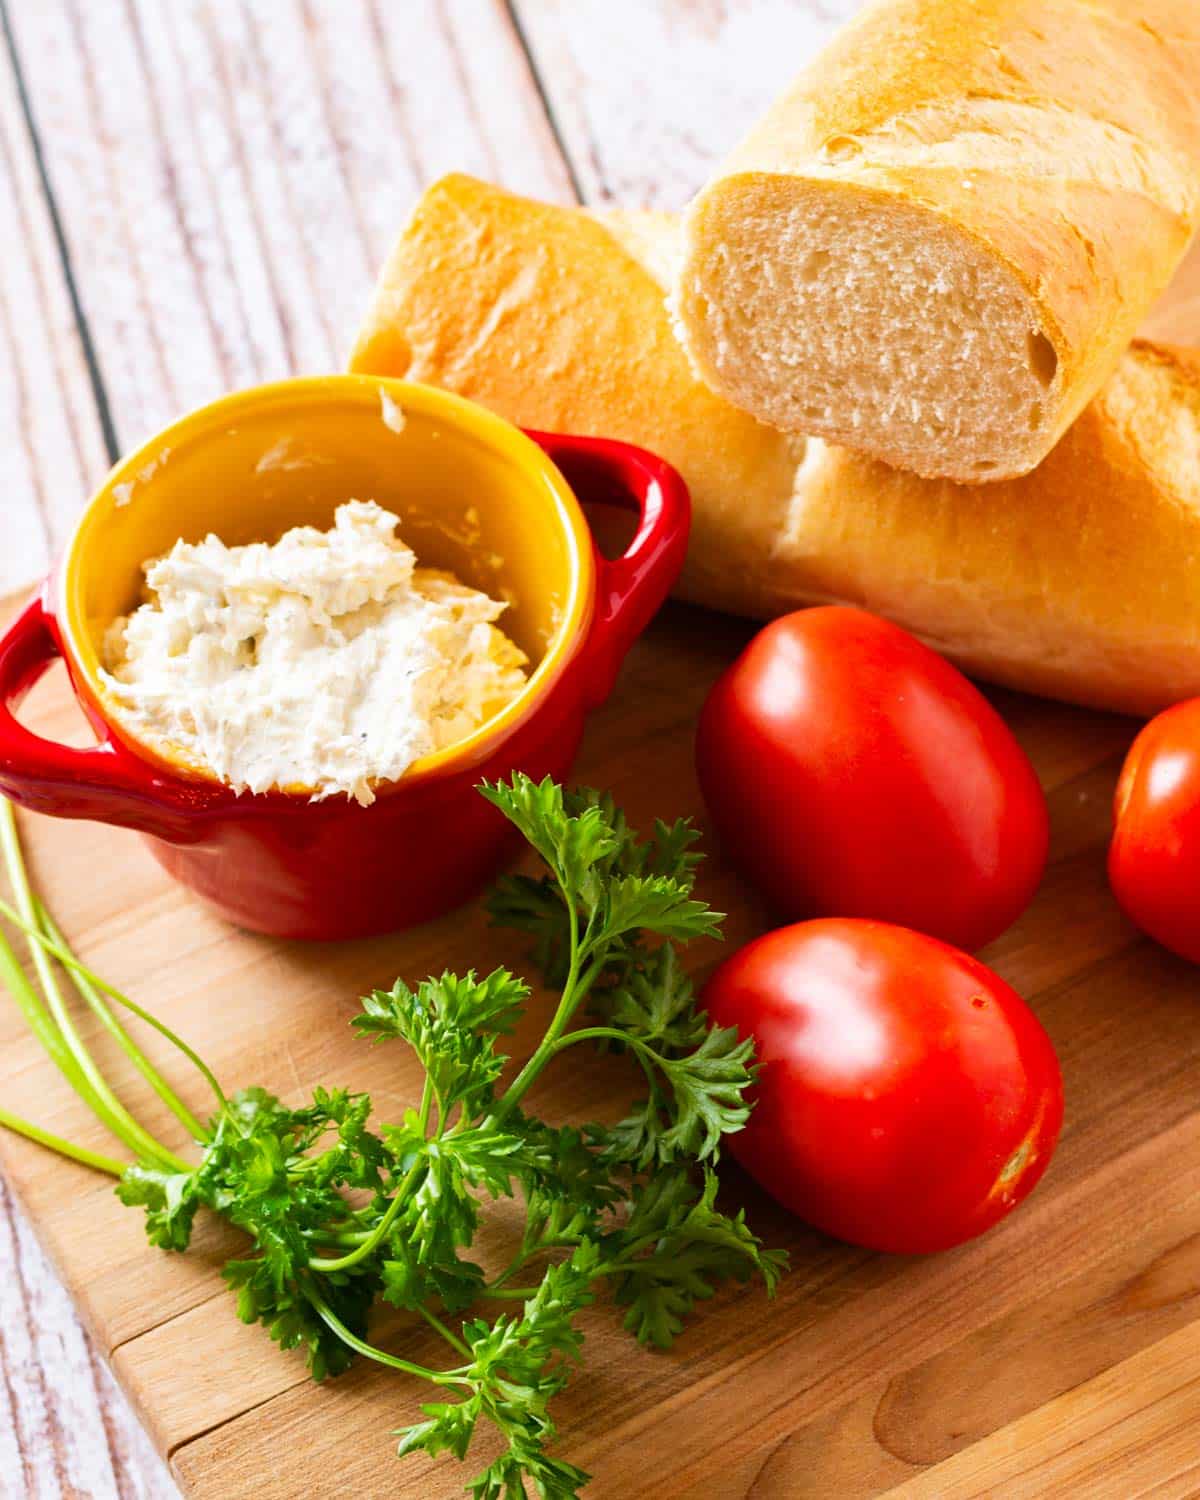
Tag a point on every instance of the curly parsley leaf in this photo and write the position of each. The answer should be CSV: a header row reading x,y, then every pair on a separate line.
x,y
279,1304
674,1249
453,1024
517,1366
708,1086
657,904
535,906
616,884
552,1478
576,844
654,1003
171,1201
668,851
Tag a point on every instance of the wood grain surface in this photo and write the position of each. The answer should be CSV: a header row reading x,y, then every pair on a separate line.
x,y
647,97
195,195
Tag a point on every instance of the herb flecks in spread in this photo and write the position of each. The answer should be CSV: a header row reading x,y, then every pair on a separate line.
x,y
343,1211
326,660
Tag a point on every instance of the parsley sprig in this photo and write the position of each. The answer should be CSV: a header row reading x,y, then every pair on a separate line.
x,y
342,1212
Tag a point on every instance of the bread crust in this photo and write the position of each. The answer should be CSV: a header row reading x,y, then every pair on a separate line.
x,y
547,317
1080,581
1063,139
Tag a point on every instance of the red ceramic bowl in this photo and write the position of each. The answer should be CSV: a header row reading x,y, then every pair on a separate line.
x,y
498,507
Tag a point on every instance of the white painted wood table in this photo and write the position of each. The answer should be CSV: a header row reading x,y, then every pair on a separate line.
x,y
195,195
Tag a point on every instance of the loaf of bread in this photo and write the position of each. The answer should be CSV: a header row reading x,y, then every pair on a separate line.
x,y
938,243
1080,581
539,313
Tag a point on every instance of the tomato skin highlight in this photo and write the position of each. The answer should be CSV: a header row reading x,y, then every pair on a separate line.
x,y
1154,856
908,1098
849,770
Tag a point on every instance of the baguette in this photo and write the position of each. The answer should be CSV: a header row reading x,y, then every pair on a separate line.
x,y
539,313
1080,581
936,246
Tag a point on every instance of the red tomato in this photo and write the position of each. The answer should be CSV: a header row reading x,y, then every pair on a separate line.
x,y
1154,858
908,1098
851,771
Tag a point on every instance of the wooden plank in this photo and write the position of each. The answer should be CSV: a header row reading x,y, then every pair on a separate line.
x,y
231,174
51,451
1138,1290
1130,1432
648,97
65,1428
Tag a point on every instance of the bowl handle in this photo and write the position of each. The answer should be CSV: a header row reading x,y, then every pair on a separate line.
x,y
105,781
629,588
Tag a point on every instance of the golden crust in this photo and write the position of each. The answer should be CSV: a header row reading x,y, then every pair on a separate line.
x,y
1080,581
1064,138
542,314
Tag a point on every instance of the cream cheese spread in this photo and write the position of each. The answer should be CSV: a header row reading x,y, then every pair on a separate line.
x,y
327,660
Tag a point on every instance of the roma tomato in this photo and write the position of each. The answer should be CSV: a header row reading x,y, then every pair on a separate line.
x,y
851,771
1154,857
907,1099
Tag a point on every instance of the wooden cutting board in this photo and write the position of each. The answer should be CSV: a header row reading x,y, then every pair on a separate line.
x,y
1059,1354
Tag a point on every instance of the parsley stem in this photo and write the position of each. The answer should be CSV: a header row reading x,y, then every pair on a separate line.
x,y
498,1287
352,1341
399,1199
575,988
610,1034
69,961
511,1269
632,1259
108,1020
64,1148
451,1338
332,1236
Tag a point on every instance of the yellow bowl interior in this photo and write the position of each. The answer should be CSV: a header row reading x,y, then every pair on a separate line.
x,y
473,494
